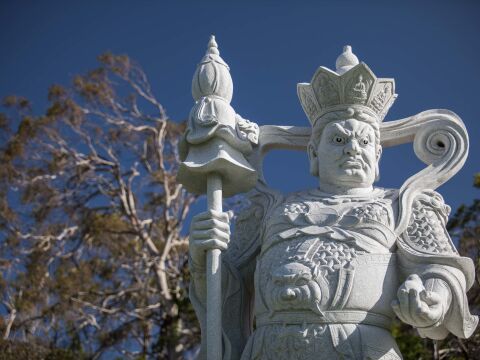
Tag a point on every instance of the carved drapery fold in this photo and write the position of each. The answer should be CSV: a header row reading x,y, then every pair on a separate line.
x,y
440,140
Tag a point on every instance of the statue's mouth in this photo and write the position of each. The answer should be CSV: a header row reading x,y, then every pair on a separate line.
x,y
352,164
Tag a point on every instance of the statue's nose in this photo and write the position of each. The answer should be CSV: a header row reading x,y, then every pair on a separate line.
x,y
288,294
352,148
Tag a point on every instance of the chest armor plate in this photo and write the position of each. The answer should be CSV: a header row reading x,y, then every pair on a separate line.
x,y
312,251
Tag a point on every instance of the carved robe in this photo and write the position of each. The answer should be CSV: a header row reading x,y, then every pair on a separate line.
x,y
312,276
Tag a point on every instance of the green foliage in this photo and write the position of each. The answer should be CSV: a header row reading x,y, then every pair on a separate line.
x,y
476,180
410,344
16,350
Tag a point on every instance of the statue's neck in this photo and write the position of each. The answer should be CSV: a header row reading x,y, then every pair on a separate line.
x,y
343,190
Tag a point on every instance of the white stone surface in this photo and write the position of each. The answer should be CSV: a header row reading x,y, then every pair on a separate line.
x,y
212,151
216,138
323,272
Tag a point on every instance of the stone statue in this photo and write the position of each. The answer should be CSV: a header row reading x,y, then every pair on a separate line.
x,y
320,274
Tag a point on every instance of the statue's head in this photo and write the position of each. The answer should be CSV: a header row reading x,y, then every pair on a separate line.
x,y
346,109
345,151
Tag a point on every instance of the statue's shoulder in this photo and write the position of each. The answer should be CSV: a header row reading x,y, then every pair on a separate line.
x,y
388,197
387,193
250,222
426,232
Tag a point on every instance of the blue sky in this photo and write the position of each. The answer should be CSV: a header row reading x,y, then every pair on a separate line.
x,y
431,48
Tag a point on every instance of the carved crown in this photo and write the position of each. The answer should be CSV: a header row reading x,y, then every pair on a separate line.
x,y
353,84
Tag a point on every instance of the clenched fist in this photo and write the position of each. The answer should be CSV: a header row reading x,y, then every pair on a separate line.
x,y
208,230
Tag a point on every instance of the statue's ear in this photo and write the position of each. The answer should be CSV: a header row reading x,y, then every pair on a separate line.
x,y
377,169
312,156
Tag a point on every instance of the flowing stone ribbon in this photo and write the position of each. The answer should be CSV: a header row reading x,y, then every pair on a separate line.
x,y
212,152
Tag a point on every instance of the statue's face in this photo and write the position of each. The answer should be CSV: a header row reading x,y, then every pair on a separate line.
x,y
347,155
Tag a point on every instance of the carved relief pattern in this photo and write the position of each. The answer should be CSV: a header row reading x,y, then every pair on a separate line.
x,y
307,276
310,105
332,256
295,343
371,211
326,90
246,228
296,208
358,87
426,233
247,129
311,265
358,93
302,272
381,97
205,114
246,237
308,101
294,286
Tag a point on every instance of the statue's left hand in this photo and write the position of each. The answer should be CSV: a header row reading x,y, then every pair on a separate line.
x,y
418,307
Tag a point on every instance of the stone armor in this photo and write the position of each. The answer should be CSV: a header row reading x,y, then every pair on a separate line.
x,y
310,275
309,259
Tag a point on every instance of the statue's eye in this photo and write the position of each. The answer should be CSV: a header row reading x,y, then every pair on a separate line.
x,y
365,141
337,139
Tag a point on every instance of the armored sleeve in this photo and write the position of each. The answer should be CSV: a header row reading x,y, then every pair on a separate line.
x,y
426,249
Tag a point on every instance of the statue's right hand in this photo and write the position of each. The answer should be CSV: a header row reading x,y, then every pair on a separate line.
x,y
208,230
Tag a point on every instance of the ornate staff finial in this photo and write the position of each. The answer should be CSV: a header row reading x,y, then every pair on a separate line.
x,y
346,60
212,150
212,76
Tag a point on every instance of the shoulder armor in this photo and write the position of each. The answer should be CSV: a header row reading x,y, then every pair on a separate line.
x,y
426,232
248,225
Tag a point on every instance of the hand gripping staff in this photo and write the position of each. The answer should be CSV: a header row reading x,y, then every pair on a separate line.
x,y
212,152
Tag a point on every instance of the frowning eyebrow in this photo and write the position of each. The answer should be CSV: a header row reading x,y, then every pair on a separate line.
x,y
362,131
341,129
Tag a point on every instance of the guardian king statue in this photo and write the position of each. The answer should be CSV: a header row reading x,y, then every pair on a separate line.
x,y
321,274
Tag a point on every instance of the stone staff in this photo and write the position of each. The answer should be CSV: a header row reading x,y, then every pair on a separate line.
x,y
212,152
